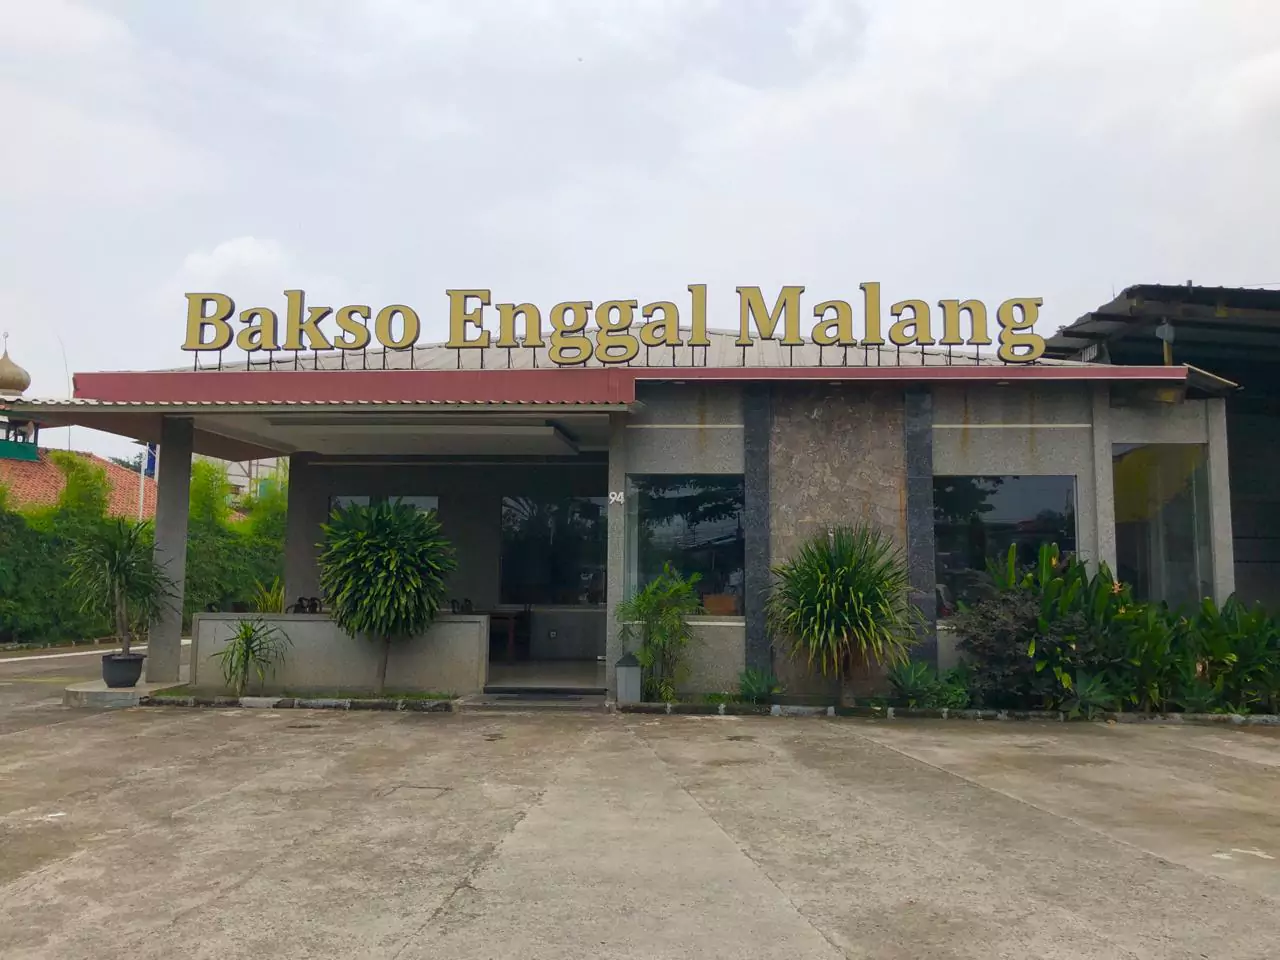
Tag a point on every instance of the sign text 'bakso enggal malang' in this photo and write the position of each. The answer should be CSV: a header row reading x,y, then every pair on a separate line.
x,y
623,327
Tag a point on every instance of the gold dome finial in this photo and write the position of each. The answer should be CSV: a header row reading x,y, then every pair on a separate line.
x,y
13,379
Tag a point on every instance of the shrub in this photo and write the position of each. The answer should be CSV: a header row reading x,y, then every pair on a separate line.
x,y
1044,631
660,612
757,686
382,572
253,650
844,596
917,684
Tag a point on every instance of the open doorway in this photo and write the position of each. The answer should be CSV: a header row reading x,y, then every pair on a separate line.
x,y
547,631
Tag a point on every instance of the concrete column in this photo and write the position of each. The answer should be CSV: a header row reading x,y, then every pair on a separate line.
x,y
1220,533
308,509
917,429
173,497
617,547
757,426
1104,497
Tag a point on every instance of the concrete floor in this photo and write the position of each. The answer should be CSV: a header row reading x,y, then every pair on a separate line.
x,y
238,833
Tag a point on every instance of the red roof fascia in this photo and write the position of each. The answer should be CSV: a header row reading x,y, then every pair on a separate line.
x,y
593,385
934,374
561,385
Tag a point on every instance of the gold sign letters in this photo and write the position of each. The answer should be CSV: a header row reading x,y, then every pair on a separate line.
x,y
617,338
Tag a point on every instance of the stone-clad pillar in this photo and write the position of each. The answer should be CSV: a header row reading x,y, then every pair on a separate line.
x,y
308,509
757,425
1220,530
1104,502
917,427
173,496
616,530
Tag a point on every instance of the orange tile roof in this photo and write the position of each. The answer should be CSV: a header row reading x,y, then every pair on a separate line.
x,y
38,483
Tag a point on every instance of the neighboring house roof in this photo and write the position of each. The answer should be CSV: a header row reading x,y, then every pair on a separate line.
x,y
37,483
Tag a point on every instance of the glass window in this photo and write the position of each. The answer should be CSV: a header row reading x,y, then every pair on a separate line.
x,y
975,519
1162,521
553,550
422,503
694,523
338,502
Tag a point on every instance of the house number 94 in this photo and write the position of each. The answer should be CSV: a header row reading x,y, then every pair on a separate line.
x,y
617,497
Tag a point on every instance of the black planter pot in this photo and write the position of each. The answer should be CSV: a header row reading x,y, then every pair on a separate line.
x,y
119,670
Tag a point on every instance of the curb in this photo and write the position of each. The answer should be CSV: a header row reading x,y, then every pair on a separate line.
x,y
921,713
304,703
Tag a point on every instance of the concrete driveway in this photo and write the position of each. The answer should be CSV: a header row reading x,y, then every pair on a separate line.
x,y
238,833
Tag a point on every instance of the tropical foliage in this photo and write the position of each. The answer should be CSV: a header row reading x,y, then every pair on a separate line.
x,y
1056,636
268,597
757,686
655,621
917,684
253,650
113,570
844,598
232,546
382,572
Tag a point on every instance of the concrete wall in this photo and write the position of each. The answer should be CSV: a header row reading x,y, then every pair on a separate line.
x,y
677,428
836,456
717,655
451,657
685,428
1045,430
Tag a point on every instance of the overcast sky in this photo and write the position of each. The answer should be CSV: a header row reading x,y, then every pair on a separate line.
x,y
382,151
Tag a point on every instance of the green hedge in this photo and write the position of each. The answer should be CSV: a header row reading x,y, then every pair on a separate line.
x,y
231,547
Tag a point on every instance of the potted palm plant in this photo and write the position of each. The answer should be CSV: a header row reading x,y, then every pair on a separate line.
x,y
114,567
844,598
382,572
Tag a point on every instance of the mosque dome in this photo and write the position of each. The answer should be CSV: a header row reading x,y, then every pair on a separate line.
x,y
13,379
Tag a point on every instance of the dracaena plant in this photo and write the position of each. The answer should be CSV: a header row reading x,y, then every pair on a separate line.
x,y
844,597
114,569
383,569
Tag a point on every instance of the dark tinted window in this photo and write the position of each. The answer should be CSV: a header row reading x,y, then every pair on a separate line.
x,y
694,523
553,551
977,518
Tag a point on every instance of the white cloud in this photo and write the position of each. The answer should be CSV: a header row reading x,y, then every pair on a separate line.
x,y
557,149
58,28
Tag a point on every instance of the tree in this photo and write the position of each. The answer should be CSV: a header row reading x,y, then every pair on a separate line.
x,y
382,572
133,463
115,570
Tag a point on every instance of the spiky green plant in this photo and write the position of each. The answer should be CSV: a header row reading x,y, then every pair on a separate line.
x,y
254,648
658,615
382,572
114,568
845,596
756,685
268,598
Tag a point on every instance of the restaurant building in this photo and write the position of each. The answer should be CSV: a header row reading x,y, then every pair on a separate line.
x,y
566,485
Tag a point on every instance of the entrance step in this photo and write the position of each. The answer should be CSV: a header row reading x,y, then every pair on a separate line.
x,y
525,700
555,692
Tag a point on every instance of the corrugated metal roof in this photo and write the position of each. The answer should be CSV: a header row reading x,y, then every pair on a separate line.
x,y
723,352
